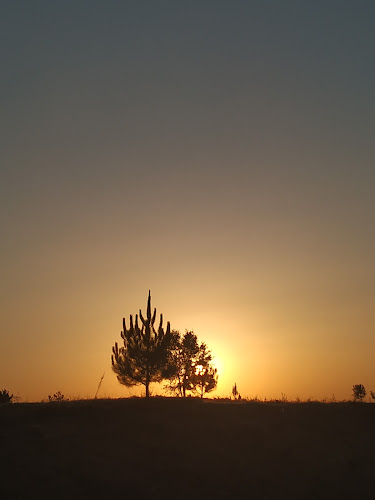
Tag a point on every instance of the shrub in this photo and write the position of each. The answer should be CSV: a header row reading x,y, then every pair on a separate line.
x,y
56,397
5,397
235,393
359,392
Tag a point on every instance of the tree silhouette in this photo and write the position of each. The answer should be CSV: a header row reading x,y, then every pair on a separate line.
x,y
235,392
183,358
359,392
189,366
205,377
143,359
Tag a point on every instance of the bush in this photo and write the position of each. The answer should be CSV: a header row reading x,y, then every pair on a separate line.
x,y
56,397
359,392
5,397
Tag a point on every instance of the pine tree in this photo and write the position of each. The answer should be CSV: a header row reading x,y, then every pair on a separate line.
x,y
143,358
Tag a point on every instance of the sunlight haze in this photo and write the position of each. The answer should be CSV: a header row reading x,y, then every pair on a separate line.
x,y
220,155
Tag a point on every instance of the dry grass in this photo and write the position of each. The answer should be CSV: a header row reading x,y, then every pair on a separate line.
x,y
169,448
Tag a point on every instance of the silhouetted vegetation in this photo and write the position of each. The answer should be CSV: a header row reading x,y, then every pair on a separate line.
x,y
189,366
359,392
99,385
205,377
58,396
143,358
372,395
183,352
235,393
5,397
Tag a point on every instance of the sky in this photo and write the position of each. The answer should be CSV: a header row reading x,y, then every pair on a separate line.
x,y
217,153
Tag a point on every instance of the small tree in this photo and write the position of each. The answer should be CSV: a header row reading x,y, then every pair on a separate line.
x,y
189,366
235,392
205,377
5,397
183,357
144,356
359,392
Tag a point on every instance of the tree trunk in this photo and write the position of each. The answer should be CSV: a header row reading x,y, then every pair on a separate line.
x,y
147,384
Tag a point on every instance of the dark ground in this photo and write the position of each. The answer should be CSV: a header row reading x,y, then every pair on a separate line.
x,y
186,449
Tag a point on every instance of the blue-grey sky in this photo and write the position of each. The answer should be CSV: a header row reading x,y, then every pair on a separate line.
x,y
220,153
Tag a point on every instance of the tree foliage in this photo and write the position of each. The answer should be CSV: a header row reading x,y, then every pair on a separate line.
x,y
144,355
359,392
189,367
183,354
205,377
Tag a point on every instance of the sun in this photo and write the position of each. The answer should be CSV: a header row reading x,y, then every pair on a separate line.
x,y
219,365
199,369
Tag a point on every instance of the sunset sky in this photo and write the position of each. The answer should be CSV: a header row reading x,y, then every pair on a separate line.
x,y
218,153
